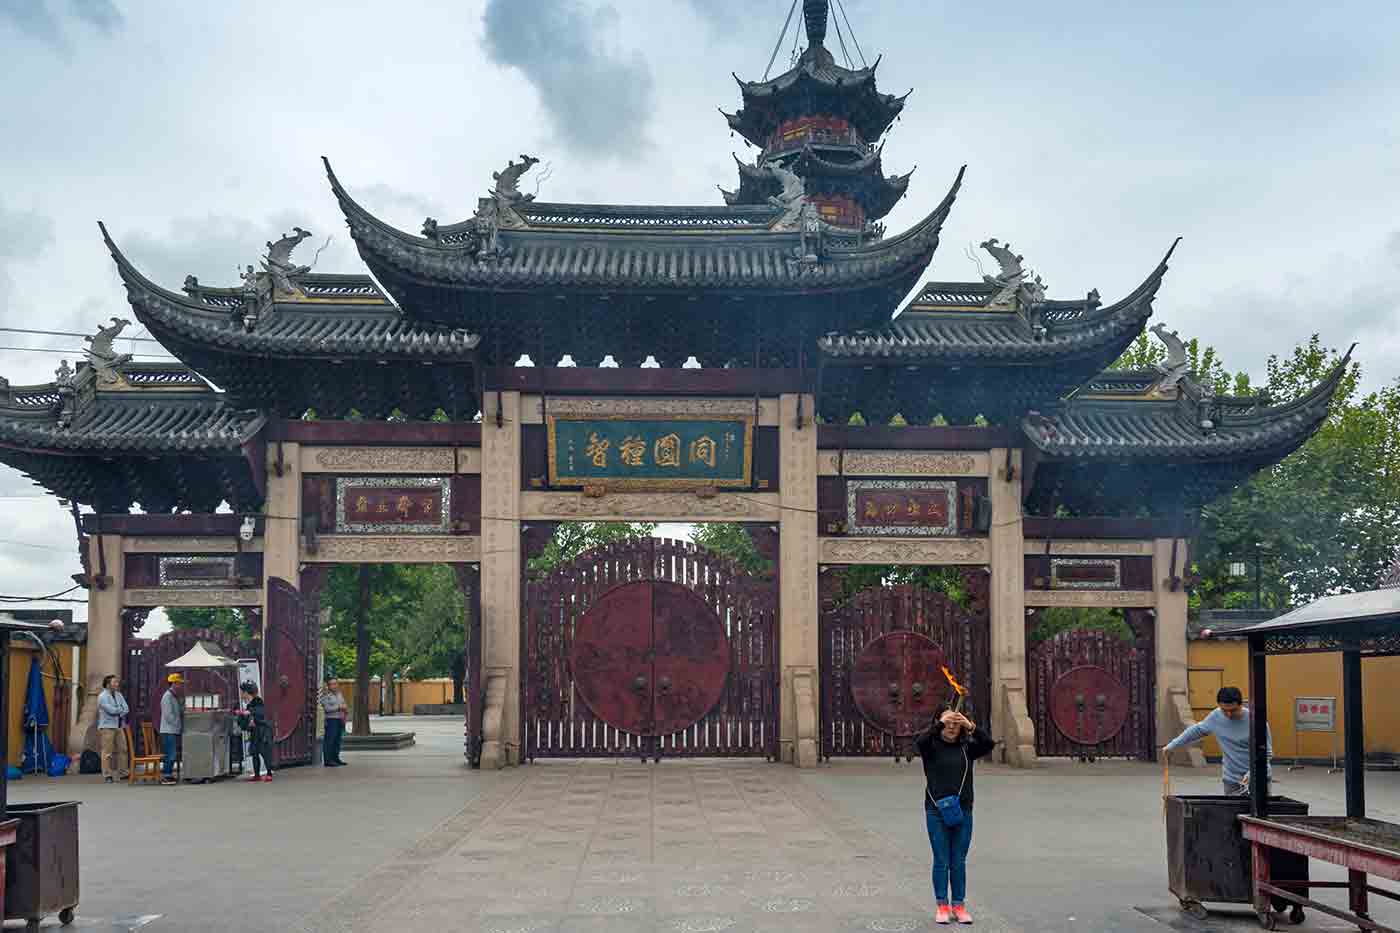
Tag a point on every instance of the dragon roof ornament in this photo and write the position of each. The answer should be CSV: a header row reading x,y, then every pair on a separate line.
x,y
102,355
1015,284
494,212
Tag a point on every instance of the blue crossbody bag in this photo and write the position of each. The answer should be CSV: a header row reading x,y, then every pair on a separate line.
x,y
950,807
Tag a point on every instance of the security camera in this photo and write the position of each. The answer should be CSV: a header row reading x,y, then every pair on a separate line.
x,y
245,531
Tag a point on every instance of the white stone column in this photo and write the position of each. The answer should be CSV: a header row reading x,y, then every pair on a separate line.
x,y
1169,640
282,526
1011,723
500,580
104,643
797,569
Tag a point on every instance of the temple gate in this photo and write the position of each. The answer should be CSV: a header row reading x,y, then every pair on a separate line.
x,y
650,649
377,419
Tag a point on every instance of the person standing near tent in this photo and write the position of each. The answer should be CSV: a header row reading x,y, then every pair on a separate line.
x,y
172,724
111,710
254,723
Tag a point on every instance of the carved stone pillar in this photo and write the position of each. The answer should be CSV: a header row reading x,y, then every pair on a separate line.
x,y
104,644
500,580
797,575
1010,716
1173,699
282,529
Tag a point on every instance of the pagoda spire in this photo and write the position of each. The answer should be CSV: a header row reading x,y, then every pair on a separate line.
x,y
815,12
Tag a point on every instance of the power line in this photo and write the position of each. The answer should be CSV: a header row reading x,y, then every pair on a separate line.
x,y
143,356
67,333
40,599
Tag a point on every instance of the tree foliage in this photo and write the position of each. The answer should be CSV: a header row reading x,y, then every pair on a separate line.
x,y
732,541
1324,520
573,538
1056,619
227,621
1205,364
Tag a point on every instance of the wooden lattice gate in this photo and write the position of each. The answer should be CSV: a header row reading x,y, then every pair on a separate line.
x,y
881,654
650,648
1092,692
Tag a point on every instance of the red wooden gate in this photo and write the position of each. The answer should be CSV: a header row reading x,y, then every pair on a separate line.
x,y
290,690
881,653
650,648
1092,693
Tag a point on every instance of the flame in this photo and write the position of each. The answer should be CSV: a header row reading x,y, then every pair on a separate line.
x,y
962,691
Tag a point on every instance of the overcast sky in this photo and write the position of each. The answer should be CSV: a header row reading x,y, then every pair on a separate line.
x,y
1265,134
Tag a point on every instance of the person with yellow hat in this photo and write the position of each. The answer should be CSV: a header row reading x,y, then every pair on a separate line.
x,y
172,724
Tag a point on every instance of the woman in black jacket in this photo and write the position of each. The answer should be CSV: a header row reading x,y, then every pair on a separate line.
x,y
948,748
254,723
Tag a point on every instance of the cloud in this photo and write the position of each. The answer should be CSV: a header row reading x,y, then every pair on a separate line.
x,y
102,15
214,247
37,19
598,99
24,235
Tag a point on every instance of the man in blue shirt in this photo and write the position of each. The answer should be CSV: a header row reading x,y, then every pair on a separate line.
x,y
1229,723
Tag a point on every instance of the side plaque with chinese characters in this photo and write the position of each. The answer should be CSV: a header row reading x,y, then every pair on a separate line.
x,y
393,505
902,507
646,453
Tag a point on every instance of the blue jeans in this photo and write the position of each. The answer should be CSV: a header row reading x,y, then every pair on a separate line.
x,y
169,746
950,847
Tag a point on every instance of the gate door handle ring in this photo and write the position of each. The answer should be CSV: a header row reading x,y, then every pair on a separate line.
x,y
664,684
639,684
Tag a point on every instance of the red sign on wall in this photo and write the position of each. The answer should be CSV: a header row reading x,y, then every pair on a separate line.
x,y
393,506
388,505
919,508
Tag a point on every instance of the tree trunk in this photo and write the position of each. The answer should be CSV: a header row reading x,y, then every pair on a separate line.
x,y
459,675
362,655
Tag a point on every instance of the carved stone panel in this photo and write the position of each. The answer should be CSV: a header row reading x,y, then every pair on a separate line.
x,y
379,460
904,551
1036,548
1108,598
206,572
669,506
395,549
1085,573
207,545
170,596
902,507
902,463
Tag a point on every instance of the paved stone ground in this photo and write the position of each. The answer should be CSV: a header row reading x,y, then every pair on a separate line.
x,y
412,840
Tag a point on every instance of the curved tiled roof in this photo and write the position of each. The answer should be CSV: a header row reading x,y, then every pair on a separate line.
x,y
291,329
726,253
879,192
159,408
1071,329
1173,430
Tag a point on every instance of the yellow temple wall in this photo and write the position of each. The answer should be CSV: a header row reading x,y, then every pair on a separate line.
x,y
1212,664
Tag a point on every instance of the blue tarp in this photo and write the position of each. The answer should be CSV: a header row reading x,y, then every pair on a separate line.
x,y
37,748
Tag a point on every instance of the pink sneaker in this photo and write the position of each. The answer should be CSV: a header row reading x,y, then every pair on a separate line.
x,y
942,915
960,912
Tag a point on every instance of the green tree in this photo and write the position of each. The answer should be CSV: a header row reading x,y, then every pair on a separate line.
x,y
1056,619
1324,520
434,641
732,541
946,580
226,621
573,538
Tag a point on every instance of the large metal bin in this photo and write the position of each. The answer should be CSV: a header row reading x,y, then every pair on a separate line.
x,y
41,868
1208,859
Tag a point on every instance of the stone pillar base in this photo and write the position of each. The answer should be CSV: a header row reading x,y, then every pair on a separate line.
x,y
1018,731
496,751
805,751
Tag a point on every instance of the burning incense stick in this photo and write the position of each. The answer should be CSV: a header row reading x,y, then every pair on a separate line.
x,y
959,688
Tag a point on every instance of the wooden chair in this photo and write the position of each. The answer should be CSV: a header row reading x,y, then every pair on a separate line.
x,y
150,742
143,767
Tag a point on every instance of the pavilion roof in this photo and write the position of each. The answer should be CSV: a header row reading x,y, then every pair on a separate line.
x,y
862,176
816,84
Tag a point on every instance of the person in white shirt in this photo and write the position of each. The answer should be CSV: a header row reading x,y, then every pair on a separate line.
x,y
111,710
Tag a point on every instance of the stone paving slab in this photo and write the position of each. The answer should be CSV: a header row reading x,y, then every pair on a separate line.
x,y
622,846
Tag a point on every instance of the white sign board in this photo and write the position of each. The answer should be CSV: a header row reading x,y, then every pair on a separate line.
x,y
249,669
1315,714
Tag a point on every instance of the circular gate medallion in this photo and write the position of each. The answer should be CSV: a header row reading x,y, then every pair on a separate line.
x,y
650,658
1088,704
897,682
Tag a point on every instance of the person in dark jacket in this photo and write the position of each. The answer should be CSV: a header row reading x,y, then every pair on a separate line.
x,y
948,748
254,723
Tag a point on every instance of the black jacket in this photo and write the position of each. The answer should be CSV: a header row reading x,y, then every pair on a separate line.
x,y
254,722
944,763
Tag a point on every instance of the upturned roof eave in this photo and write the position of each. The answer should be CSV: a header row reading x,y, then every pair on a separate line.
x,y
395,254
